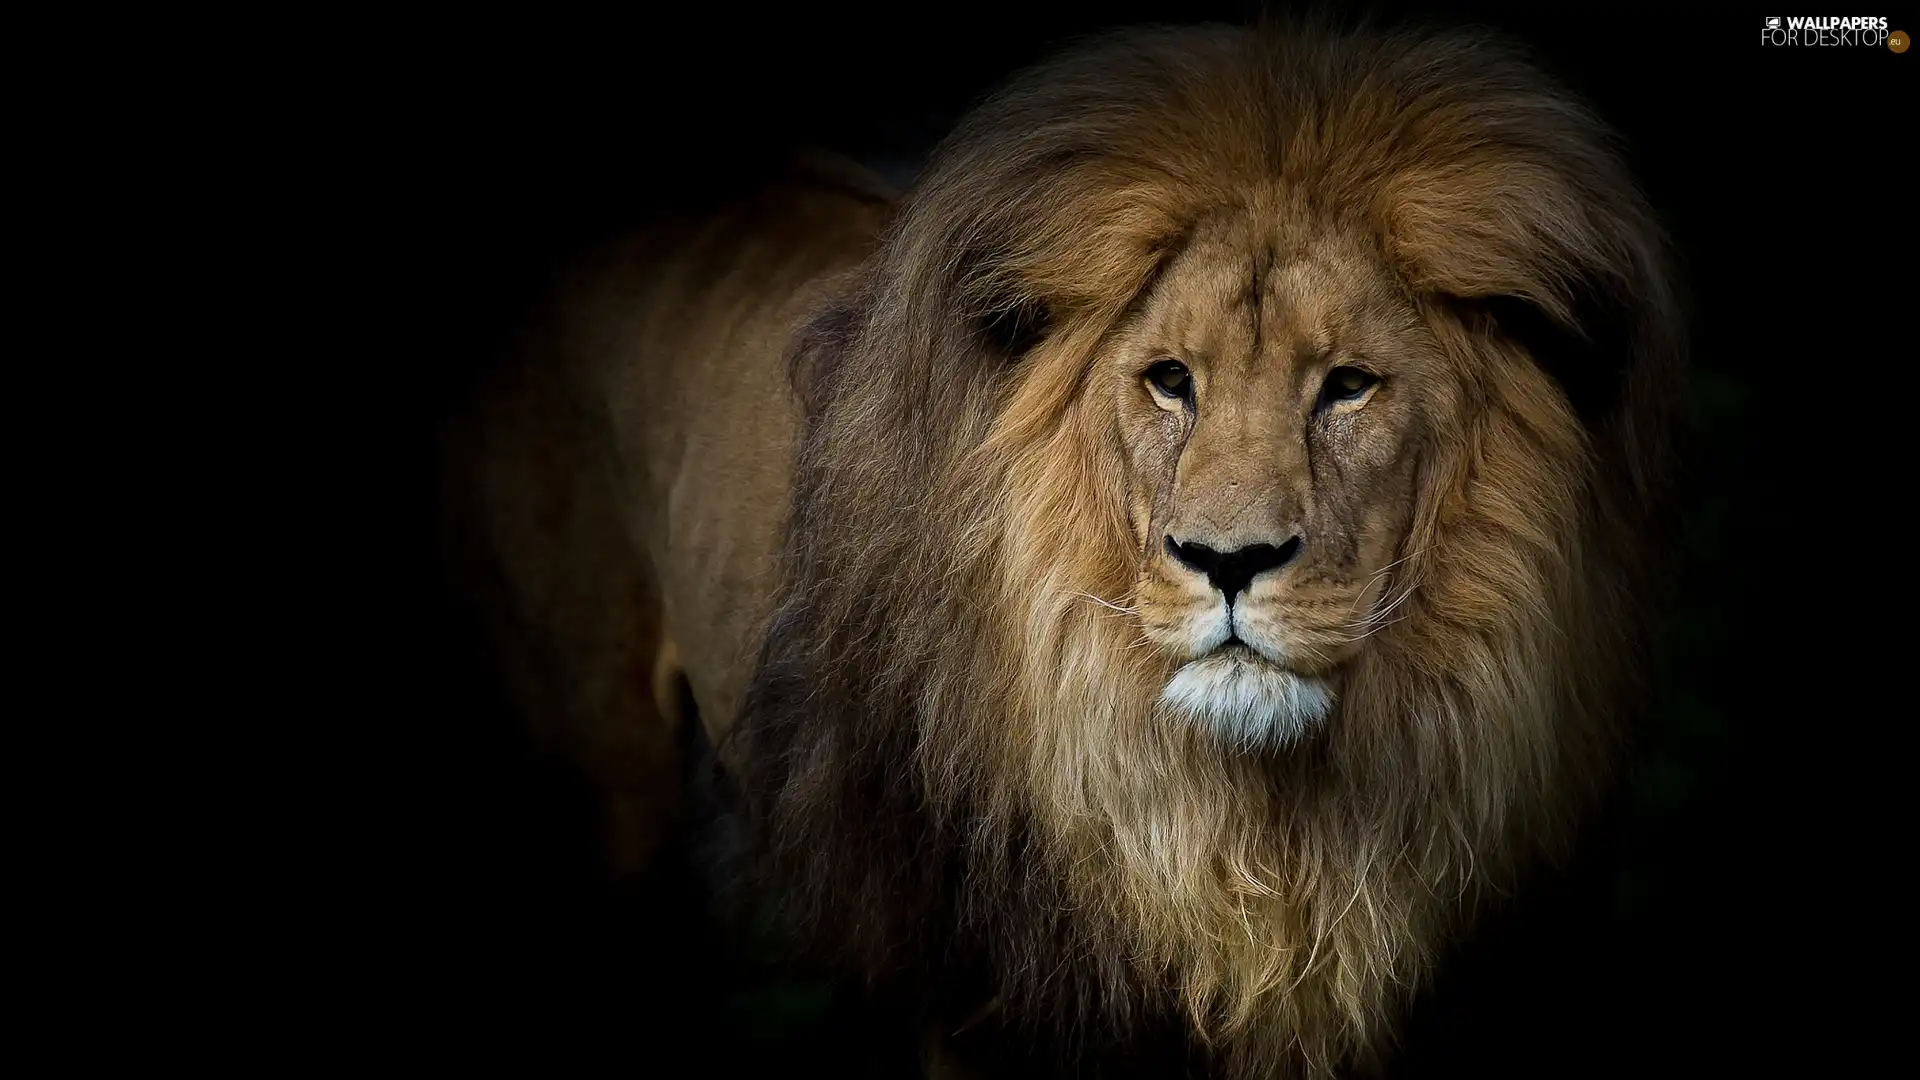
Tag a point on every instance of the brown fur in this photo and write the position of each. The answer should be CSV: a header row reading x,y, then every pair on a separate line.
x,y
950,737
613,494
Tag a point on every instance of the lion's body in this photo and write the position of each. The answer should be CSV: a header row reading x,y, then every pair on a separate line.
x,y
620,486
944,576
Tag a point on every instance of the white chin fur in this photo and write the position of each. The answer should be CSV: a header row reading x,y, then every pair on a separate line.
x,y
1248,702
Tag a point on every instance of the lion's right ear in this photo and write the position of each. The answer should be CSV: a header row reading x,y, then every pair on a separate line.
x,y
984,296
820,344
1012,327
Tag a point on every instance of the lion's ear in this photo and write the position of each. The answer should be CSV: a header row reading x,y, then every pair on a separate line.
x,y
1586,350
815,353
1546,255
1013,327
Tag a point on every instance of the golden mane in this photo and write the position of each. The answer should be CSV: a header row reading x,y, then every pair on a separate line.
x,y
957,759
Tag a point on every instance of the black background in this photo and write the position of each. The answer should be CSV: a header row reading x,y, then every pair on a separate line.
x,y
1737,915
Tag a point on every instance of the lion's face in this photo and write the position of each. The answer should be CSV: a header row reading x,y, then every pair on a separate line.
x,y
1272,392
1337,365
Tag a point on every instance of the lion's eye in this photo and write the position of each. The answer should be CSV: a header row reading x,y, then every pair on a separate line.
x,y
1171,379
1346,384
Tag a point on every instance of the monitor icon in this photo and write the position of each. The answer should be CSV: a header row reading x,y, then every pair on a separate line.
x,y
1773,24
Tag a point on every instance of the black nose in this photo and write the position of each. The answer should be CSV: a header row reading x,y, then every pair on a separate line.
x,y
1232,571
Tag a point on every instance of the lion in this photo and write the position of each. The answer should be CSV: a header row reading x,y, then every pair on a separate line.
x,y
1147,583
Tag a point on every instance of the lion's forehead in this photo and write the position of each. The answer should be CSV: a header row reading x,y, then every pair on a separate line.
x,y
1267,289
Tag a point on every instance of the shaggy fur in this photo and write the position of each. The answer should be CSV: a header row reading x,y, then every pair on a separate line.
x,y
893,496
961,765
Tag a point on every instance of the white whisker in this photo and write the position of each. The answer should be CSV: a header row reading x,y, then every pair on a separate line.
x,y
1122,609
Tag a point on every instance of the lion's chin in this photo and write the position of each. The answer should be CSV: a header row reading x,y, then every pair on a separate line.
x,y
1246,700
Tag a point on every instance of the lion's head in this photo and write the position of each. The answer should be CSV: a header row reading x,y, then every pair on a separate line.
x,y
1216,535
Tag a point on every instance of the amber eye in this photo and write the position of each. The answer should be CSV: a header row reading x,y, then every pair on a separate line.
x,y
1346,384
1171,379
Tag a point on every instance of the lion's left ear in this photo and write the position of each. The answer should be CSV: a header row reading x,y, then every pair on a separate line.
x,y
1559,267
1587,351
